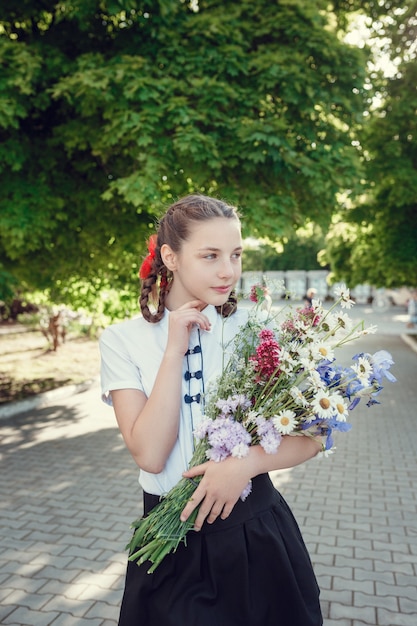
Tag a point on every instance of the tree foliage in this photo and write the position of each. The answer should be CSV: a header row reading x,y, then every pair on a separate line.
x,y
376,242
110,109
297,252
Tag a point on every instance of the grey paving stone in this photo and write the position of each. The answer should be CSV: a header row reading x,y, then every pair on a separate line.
x,y
71,494
387,618
23,616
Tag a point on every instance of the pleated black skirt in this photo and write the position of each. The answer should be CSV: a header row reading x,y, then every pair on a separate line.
x,y
252,569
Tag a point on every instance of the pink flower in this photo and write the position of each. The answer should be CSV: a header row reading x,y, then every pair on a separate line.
x,y
266,359
257,293
307,316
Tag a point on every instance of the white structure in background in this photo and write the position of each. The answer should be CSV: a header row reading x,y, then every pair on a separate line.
x,y
276,284
296,282
318,280
247,280
291,282
362,294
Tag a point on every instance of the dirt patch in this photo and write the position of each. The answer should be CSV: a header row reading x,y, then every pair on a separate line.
x,y
28,366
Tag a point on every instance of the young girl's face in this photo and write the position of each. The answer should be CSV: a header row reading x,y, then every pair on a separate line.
x,y
208,265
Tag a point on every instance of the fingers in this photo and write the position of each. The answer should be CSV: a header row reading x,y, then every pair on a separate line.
x,y
190,315
181,322
197,470
210,509
227,509
218,491
215,512
208,512
192,504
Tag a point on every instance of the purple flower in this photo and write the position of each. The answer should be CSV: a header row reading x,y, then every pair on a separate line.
x,y
201,431
269,437
224,406
270,441
227,438
233,403
247,490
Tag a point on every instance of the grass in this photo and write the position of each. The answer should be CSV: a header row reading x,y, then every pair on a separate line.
x,y
29,366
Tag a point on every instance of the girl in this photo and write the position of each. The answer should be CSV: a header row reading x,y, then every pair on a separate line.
x,y
246,563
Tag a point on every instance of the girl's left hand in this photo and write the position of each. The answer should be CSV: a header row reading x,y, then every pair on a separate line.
x,y
218,491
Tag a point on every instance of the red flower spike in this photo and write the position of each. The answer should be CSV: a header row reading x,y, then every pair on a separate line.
x,y
267,355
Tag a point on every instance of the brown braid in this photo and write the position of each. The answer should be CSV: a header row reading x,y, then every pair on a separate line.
x,y
229,307
173,230
149,290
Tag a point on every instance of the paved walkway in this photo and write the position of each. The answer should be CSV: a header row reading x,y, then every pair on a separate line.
x,y
68,493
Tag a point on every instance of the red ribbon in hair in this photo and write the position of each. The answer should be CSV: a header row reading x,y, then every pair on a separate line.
x,y
145,268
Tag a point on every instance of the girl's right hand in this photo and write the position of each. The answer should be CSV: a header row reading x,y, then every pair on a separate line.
x,y
181,321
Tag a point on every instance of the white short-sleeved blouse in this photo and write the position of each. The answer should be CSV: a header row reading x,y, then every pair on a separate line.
x,y
131,353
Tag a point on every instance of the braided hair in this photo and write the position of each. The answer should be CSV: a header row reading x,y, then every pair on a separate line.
x,y
173,230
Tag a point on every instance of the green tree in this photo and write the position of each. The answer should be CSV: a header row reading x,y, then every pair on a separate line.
x,y
110,109
375,241
296,252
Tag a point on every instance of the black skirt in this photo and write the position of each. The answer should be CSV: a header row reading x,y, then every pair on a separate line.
x,y
252,569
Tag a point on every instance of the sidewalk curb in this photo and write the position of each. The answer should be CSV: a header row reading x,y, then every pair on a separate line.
x,y
409,341
43,399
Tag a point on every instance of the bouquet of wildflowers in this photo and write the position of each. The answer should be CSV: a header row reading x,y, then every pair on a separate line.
x,y
281,379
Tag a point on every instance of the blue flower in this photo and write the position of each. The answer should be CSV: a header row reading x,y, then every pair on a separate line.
x,y
381,362
372,401
354,403
326,428
330,375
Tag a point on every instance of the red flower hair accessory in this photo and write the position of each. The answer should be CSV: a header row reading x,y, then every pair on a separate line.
x,y
145,268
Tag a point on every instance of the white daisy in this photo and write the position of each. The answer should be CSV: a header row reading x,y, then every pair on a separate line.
x,y
341,407
287,363
344,294
302,351
329,322
250,418
324,454
370,330
344,321
341,291
322,350
363,370
285,357
301,326
347,304
308,364
310,333
317,305
298,396
315,382
285,422
323,404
